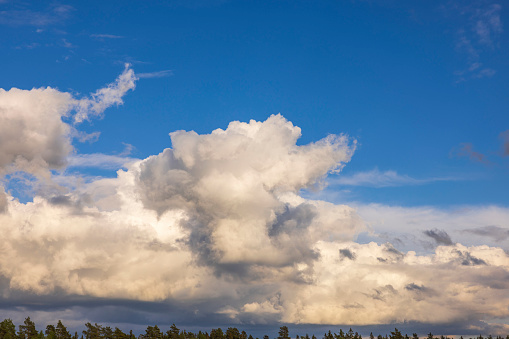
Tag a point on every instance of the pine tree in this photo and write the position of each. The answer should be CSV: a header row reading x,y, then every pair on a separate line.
x,y
27,330
7,329
283,333
174,332
216,334
232,333
61,331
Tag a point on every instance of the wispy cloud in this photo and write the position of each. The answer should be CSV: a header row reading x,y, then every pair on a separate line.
x,y
376,178
488,23
27,17
496,233
67,44
105,97
28,46
440,236
467,150
106,36
99,160
478,34
158,74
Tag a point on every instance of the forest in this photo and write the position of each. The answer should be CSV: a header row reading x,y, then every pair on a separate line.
x,y
96,331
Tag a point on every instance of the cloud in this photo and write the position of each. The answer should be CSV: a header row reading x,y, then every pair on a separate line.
x,y
375,178
441,237
477,35
408,224
467,150
33,136
99,160
158,74
238,187
346,253
67,44
26,17
215,229
106,36
105,97
487,23
497,233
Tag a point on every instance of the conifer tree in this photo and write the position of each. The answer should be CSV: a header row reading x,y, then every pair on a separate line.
x,y
27,330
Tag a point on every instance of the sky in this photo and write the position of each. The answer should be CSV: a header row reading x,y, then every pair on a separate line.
x,y
315,164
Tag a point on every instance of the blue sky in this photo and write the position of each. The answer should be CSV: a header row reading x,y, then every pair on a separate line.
x,y
390,74
420,89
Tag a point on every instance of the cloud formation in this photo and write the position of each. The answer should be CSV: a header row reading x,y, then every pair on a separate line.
x,y
34,138
217,225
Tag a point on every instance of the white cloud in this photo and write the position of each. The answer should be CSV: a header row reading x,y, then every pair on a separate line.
x,y
217,221
404,226
106,36
33,137
105,97
99,160
375,178
158,74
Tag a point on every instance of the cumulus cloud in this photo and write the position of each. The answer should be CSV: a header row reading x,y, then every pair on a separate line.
x,y
238,187
33,136
216,227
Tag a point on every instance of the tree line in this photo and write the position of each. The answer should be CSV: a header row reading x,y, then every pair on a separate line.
x,y
97,331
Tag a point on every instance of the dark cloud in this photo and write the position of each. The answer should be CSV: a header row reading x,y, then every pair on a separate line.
x,y
382,292
346,253
469,260
441,237
61,200
389,248
420,291
293,218
3,200
467,150
495,232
